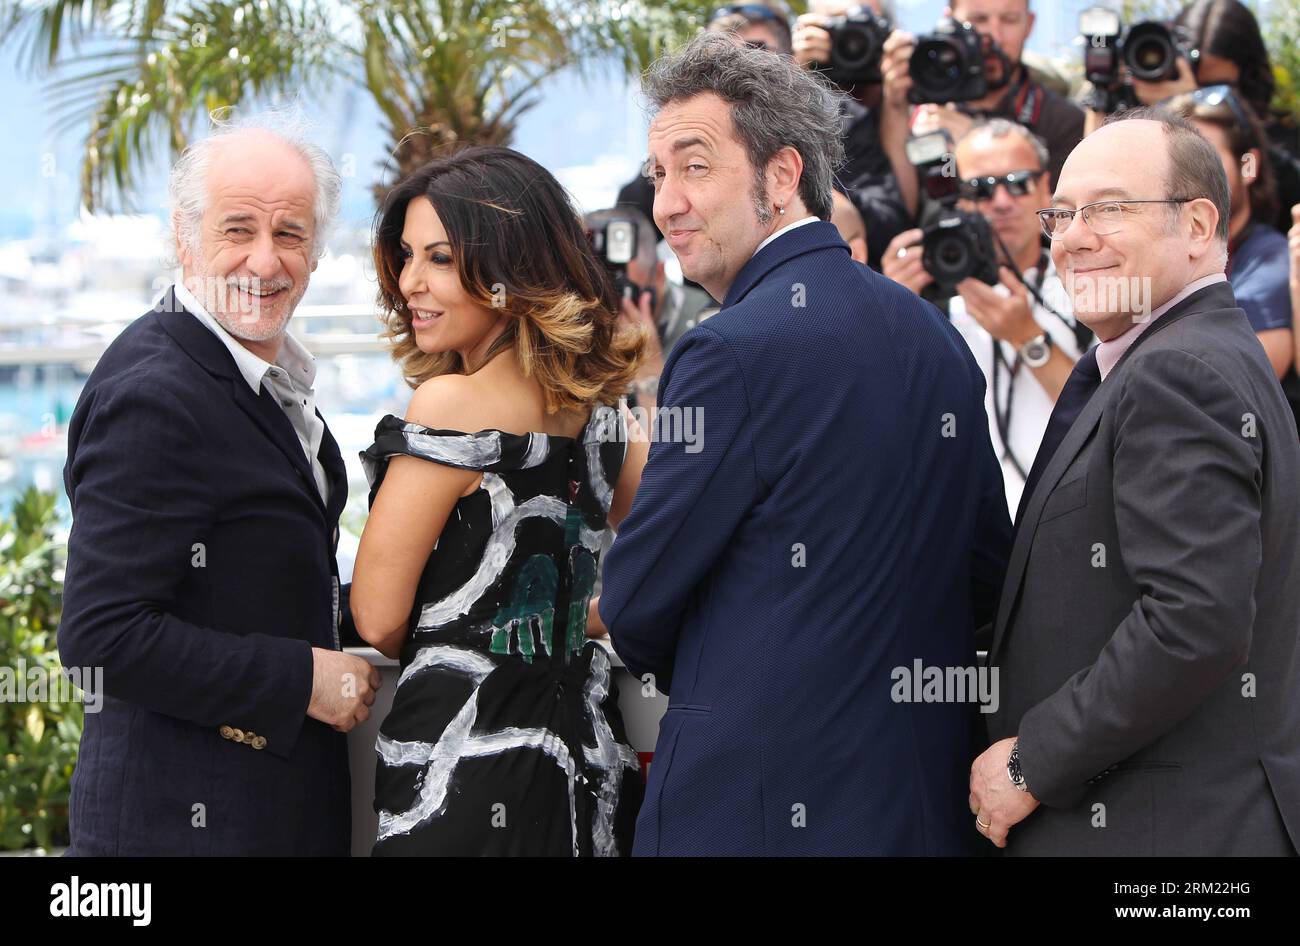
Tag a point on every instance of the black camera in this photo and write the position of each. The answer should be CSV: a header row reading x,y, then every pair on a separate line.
x,y
857,41
614,243
1151,50
956,244
948,65
1100,30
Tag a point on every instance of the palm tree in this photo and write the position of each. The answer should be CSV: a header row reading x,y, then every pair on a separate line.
x,y
440,71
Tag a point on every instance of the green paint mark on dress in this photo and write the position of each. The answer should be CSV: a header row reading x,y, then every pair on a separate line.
x,y
531,611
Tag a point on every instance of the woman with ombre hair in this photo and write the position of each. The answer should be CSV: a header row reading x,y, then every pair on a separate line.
x,y
487,505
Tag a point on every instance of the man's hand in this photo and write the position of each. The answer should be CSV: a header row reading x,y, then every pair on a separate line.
x,y
902,261
1008,318
639,313
810,42
931,117
342,688
1153,93
642,316
994,800
895,74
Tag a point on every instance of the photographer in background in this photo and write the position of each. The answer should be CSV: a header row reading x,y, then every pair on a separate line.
x,y
625,240
756,25
844,39
1218,42
1025,349
1257,253
1003,27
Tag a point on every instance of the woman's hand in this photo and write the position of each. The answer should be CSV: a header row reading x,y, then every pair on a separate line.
x,y
595,626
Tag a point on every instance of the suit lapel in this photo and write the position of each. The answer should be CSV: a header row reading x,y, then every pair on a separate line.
x,y
1217,296
336,474
208,352
803,239
275,424
1075,438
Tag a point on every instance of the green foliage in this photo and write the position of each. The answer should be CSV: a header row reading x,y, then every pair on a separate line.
x,y
38,740
441,71
1281,26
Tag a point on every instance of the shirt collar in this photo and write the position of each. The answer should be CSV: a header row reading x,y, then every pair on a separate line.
x,y
1110,352
294,359
786,229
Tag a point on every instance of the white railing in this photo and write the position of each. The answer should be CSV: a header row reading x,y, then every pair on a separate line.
x,y
94,334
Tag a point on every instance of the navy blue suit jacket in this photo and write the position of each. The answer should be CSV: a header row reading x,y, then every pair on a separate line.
x,y
200,574
844,517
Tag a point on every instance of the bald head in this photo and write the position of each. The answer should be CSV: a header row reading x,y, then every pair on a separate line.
x,y
1172,233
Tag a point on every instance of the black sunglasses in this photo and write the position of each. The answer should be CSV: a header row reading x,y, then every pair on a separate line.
x,y
1223,94
1017,183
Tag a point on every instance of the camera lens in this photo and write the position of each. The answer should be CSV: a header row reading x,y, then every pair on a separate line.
x,y
1149,52
953,258
939,64
948,257
854,48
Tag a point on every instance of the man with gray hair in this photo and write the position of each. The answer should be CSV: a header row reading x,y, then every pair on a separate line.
x,y
821,534
205,491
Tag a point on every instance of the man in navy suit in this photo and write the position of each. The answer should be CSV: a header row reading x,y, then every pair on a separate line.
x,y
201,577
841,518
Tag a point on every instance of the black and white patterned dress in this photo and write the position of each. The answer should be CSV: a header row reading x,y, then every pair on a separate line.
x,y
505,735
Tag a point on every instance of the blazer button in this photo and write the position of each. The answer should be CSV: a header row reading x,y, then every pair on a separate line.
x,y
226,732
259,742
237,735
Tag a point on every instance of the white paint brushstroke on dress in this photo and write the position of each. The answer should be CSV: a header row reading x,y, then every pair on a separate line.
x,y
499,548
473,451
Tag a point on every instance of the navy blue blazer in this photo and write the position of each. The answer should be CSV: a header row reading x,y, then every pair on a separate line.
x,y
842,515
200,574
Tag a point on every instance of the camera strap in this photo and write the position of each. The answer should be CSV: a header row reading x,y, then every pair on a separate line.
x,y
1028,102
1002,412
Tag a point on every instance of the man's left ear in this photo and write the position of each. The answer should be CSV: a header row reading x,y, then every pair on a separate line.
x,y
1204,218
314,263
784,171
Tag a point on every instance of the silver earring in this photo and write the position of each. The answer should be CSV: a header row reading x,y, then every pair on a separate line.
x,y
782,209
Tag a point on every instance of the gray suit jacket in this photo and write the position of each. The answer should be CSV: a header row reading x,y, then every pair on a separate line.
x,y
1146,638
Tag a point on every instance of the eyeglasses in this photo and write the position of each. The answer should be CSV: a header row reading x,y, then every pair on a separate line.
x,y
1223,94
1017,183
1102,217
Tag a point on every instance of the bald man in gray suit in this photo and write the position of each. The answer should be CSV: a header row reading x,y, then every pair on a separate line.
x,y
1147,634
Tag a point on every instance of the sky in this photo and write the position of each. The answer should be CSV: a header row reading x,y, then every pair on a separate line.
x,y
590,134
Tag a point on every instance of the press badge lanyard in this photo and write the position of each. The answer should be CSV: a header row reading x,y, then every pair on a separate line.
x,y
1002,415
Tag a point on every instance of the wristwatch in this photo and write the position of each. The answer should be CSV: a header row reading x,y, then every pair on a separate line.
x,y
1013,768
1037,351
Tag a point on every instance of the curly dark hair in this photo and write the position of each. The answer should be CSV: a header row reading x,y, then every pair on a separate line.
x,y
520,247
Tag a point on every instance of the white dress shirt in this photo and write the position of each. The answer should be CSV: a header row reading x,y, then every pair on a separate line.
x,y
290,381
1031,405
785,229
